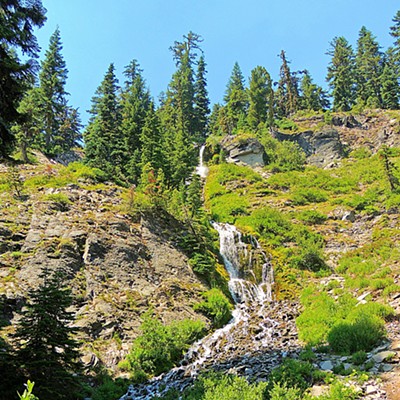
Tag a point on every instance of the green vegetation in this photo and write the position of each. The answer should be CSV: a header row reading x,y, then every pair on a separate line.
x,y
160,346
216,306
346,326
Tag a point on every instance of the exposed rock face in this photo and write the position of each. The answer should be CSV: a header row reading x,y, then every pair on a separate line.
x,y
117,268
245,152
322,147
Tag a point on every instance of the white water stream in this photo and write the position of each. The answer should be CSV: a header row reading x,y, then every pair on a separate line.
x,y
202,169
251,297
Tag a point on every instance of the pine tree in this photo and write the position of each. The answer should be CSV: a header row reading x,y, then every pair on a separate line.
x,y
46,350
287,96
390,91
341,71
30,127
235,99
105,144
178,112
368,69
57,115
395,33
313,97
201,101
135,104
260,97
151,141
18,19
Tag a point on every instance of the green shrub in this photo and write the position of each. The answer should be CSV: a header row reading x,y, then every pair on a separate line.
x,y
160,346
215,386
339,391
281,391
216,306
202,264
292,374
362,334
359,357
60,198
110,389
312,217
307,196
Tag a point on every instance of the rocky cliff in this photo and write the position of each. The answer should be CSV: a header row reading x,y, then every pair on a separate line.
x,y
117,268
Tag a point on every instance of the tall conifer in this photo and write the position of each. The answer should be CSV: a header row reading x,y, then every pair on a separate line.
x,y
260,97
105,144
369,66
341,71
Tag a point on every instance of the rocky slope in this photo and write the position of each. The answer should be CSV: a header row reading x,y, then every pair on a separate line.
x,y
117,268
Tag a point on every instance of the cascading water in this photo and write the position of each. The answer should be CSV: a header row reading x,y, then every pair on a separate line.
x,y
202,169
251,298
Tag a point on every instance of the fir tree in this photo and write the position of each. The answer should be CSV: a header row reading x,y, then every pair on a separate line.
x,y
179,117
135,105
201,101
151,141
30,127
390,91
235,99
105,144
260,97
18,18
341,72
46,350
395,33
368,69
61,122
313,97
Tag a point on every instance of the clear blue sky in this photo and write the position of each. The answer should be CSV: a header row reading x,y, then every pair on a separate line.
x,y
98,32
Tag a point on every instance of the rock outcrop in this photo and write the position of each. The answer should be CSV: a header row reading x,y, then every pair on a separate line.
x,y
243,151
321,147
117,268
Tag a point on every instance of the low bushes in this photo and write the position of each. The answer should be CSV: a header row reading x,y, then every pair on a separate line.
x,y
347,328
160,346
215,306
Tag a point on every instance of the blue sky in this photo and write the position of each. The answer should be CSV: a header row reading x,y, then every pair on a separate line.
x,y
98,32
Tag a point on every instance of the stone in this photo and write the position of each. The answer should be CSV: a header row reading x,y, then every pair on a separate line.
x,y
370,389
349,216
383,356
247,152
322,148
326,365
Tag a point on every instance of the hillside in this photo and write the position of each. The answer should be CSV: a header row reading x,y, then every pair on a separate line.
x,y
332,236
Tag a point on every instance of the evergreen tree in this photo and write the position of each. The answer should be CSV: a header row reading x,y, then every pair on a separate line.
x,y
368,69
313,97
287,96
28,130
135,105
341,72
395,33
105,144
201,101
235,99
18,18
61,123
151,141
46,352
179,117
194,201
390,88
260,97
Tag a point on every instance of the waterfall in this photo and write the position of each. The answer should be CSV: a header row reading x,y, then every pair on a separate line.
x,y
201,169
236,254
251,295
